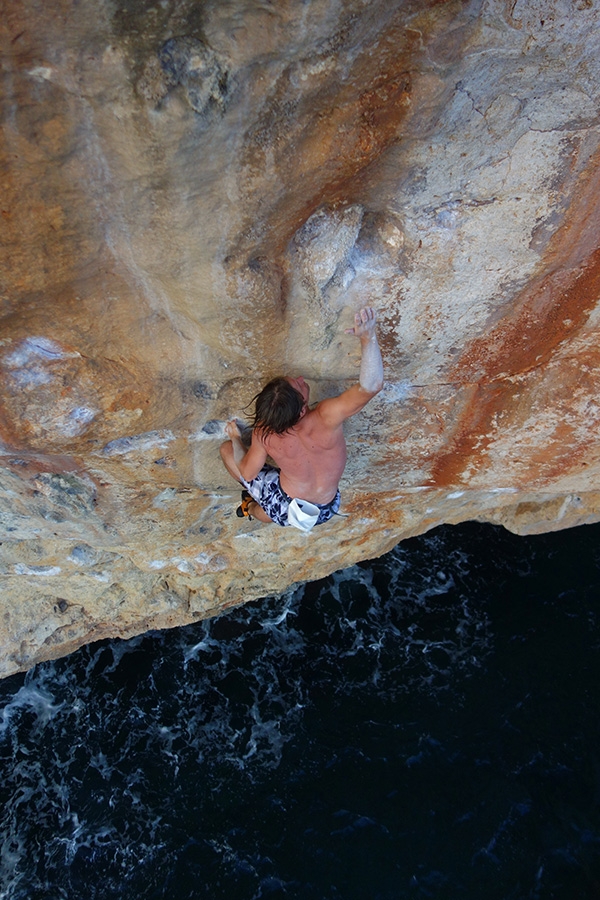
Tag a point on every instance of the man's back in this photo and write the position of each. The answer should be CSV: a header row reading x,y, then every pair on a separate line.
x,y
311,457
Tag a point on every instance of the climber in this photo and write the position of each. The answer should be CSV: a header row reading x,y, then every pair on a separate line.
x,y
307,445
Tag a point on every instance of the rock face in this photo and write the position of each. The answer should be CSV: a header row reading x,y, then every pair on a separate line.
x,y
197,196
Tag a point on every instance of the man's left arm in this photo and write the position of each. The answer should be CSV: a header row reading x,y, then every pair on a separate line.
x,y
371,363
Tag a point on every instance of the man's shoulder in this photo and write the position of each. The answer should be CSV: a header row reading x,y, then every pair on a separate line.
x,y
313,417
315,422
336,410
319,416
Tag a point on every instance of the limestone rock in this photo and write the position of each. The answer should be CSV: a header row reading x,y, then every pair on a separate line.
x,y
198,196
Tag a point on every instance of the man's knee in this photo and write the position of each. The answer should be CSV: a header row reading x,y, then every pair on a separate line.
x,y
258,513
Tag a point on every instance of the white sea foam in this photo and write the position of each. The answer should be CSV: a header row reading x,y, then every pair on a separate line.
x,y
34,699
219,704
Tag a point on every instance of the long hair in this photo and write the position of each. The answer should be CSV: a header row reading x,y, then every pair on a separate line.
x,y
278,407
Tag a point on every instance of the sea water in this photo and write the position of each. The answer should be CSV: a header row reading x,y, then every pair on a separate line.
x,y
425,725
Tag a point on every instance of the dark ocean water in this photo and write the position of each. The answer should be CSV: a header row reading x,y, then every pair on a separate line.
x,y
422,726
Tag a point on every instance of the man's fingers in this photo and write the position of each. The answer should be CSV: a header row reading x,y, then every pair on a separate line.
x,y
366,315
232,429
363,318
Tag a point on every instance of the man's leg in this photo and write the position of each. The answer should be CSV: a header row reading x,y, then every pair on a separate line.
x,y
256,511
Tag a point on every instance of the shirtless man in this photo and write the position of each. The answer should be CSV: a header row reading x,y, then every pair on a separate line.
x,y
307,445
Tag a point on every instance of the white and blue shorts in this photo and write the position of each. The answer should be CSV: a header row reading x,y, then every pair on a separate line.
x,y
271,497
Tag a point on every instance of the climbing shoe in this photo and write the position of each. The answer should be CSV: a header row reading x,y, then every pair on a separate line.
x,y
242,510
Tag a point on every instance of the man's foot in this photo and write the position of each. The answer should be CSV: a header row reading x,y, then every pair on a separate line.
x,y
242,510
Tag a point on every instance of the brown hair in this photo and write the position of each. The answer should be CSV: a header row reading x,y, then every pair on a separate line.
x,y
278,407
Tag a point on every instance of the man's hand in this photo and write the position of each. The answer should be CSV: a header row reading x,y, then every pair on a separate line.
x,y
232,430
364,324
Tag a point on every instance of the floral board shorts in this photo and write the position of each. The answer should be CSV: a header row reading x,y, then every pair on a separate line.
x,y
269,495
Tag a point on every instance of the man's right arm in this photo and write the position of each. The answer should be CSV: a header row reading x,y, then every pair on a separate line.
x,y
337,409
249,462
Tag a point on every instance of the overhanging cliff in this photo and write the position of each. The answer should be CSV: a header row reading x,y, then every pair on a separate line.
x,y
197,196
